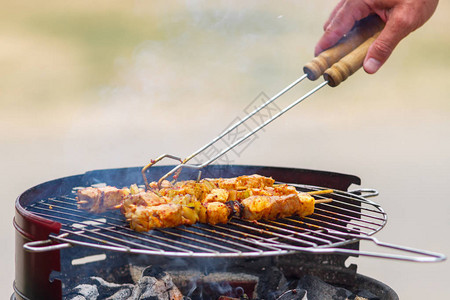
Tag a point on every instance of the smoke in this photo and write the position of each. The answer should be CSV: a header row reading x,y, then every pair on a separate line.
x,y
178,91
205,51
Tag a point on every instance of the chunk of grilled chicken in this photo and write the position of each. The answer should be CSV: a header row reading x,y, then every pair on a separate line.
x,y
145,218
242,182
275,207
217,195
148,198
218,212
98,200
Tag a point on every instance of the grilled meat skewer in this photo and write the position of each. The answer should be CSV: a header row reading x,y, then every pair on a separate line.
x,y
98,200
276,207
144,218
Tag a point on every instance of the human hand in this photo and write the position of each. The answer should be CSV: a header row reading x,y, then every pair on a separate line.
x,y
401,18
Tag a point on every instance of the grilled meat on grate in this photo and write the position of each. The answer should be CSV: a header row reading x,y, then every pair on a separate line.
x,y
211,201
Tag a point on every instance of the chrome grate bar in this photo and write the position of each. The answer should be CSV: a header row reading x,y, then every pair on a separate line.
x,y
81,233
216,238
350,217
312,234
329,205
250,239
135,236
289,235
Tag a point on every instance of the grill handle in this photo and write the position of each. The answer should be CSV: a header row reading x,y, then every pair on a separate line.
x,y
44,246
365,193
426,256
64,242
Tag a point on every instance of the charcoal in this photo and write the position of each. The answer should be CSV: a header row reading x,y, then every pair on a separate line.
x,y
101,282
295,294
154,271
152,288
319,290
75,297
272,283
88,291
364,295
143,289
108,290
101,289
121,294
198,285
155,284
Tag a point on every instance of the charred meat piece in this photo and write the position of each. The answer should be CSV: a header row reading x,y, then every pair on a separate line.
x,y
243,182
148,198
190,187
217,195
254,181
217,213
275,207
98,200
146,218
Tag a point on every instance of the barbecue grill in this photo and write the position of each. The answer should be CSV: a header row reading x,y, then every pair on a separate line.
x,y
49,225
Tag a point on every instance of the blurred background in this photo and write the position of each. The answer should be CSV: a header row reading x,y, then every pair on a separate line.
x,y
106,84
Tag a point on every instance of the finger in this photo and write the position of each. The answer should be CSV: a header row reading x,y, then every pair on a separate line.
x,y
343,21
397,27
334,32
333,14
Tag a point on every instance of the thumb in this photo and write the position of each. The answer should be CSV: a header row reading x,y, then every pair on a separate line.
x,y
394,31
397,27
377,55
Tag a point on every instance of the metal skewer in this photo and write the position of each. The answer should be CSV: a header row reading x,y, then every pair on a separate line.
x,y
290,86
335,64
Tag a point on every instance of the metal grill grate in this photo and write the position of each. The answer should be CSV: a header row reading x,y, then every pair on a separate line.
x,y
332,225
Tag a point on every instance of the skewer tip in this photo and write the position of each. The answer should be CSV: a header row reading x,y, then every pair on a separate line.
x,y
326,200
320,192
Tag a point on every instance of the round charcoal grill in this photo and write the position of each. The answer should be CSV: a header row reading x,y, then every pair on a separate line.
x,y
47,220
347,219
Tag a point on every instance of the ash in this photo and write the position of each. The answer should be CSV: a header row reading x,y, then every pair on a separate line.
x,y
154,284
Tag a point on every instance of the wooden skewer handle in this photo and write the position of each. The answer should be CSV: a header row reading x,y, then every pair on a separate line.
x,y
360,32
349,64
